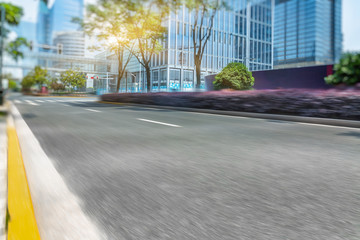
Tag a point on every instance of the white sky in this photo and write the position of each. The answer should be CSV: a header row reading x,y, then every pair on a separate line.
x,y
350,21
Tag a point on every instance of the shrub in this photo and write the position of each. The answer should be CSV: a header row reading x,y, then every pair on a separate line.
x,y
346,71
54,85
234,76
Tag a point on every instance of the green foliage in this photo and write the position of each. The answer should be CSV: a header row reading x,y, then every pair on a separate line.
x,y
38,76
72,79
234,76
13,13
12,84
13,48
27,82
107,20
347,71
56,86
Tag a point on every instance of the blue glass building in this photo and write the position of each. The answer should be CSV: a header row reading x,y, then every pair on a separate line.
x,y
307,32
55,26
241,33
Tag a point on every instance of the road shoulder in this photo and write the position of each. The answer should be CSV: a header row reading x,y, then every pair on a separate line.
x,y
58,211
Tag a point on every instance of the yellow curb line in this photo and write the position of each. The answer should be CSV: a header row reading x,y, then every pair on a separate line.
x,y
117,103
22,223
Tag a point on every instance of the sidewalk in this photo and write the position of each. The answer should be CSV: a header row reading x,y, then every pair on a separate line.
x,y
3,173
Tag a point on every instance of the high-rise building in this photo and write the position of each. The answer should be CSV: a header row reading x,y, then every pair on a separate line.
x,y
70,43
242,33
56,26
307,32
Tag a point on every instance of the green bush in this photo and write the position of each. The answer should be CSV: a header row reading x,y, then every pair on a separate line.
x,y
346,71
234,76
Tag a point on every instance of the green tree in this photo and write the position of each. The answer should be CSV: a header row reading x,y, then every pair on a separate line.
x,y
201,28
14,48
107,21
234,76
347,71
13,15
40,76
72,79
146,28
37,76
27,82
56,85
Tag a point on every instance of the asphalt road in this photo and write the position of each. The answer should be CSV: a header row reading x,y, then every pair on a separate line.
x,y
147,174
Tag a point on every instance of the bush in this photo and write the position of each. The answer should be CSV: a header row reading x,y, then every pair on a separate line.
x,y
54,85
234,76
347,71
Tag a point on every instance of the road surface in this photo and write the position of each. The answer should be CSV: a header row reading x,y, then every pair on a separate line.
x,y
143,173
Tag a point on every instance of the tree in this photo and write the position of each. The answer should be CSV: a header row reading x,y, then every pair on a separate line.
x,y
40,76
146,28
56,86
234,76
72,78
13,48
201,28
107,21
37,76
27,82
13,15
347,71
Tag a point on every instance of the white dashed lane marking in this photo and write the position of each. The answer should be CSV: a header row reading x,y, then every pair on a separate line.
x,y
162,123
92,110
31,102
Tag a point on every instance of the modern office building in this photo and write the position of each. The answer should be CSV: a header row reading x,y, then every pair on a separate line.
x,y
55,26
242,33
71,43
307,32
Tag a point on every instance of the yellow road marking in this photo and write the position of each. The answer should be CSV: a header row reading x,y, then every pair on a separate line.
x,y
106,102
22,223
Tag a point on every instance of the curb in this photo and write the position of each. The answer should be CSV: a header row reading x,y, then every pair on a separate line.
x,y
22,223
289,118
3,177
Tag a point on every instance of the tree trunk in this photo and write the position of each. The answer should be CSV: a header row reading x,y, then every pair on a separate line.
x,y
120,75
126,81
198,72
148,82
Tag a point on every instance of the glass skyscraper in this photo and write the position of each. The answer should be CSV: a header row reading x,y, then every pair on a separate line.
x,y
55,26
307,32
241,33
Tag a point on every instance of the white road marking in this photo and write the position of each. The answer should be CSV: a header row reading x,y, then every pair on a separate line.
x,y
39,100
31,103
162,123
330,126
17,101
92,110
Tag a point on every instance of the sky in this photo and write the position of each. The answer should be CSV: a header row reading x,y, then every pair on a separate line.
x,y
350,20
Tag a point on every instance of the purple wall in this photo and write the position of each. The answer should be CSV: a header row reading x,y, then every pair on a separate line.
x,y
303,77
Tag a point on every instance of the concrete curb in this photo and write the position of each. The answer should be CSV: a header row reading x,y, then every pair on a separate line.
x,y
57,210
3,178
311,120
22,224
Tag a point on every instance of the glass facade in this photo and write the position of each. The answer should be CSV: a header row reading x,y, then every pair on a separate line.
x,y
55,26
241,33
307,32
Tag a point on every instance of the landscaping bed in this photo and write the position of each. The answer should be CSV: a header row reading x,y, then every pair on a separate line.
x,y
299,102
